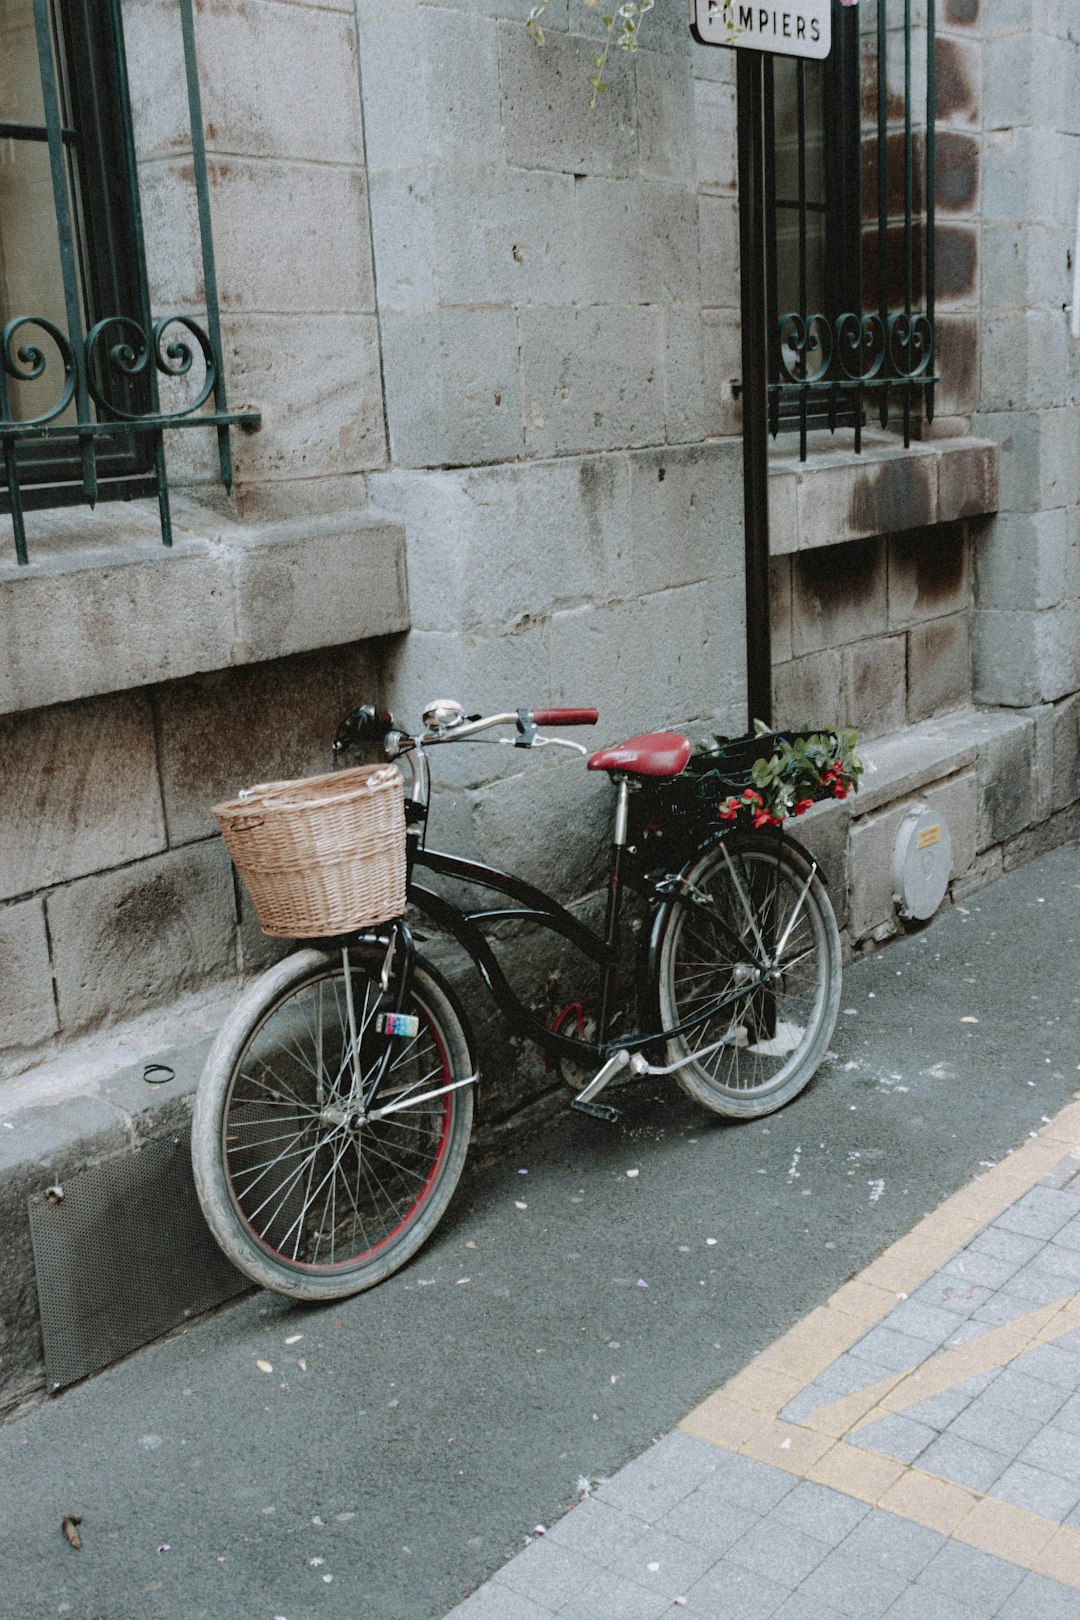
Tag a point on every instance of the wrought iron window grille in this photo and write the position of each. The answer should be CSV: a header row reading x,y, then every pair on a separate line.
x,y
850,257
110,364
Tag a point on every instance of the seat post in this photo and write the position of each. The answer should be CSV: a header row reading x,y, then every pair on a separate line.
x,y
622,811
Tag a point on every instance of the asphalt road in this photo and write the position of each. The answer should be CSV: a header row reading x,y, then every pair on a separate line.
x,y
580,1297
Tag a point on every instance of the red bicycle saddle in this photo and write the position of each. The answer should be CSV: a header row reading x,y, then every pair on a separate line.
x,y
658,753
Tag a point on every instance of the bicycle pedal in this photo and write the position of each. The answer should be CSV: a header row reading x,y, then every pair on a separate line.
x,y
596,1110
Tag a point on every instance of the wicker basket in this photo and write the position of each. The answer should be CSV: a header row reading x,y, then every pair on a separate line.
x,y
321,856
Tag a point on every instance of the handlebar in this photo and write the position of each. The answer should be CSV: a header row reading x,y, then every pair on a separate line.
x,y
564,717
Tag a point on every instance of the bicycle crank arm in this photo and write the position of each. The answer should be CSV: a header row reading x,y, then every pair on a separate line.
x,y
735,1037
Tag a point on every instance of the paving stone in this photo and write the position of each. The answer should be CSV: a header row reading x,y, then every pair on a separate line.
x,y
973,1576
597,1531
653,1483
962,1461
496,1603
976,1266
953,1294
1039,1598
1037,1491
853,1585
729,1589
895,1436
1005,1245
706,1520
917,1603
1028,1396
1053,1365
800,1606
547,1574
1056,1451
818,1511
612,1598
1069,1236
1039,1214
888,1542
941,1410
680,1564
779,1551
894,1351
1069,1416
747,1483
1034,1283
995,1427
1056,1260
927,1322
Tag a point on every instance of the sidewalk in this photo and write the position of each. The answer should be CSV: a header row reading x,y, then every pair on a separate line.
x,y
910,1450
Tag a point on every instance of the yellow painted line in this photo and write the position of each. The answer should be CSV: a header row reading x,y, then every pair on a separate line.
x,y
743,1416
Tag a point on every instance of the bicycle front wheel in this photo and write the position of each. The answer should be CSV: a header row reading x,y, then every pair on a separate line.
x,y
759,940
309,1192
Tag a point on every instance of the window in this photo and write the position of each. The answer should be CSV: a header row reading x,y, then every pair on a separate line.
x,y
83,361
849,227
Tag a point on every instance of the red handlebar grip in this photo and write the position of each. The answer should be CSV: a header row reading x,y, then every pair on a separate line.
x,y
565,717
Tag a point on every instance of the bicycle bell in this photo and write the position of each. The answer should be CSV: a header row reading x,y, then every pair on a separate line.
x,y
443,714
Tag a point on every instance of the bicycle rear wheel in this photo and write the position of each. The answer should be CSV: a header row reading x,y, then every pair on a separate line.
x,y
761,919
305,1192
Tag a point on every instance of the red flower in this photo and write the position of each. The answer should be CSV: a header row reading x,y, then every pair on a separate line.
x,y
752,794
801,806
728,810
839,790
765,818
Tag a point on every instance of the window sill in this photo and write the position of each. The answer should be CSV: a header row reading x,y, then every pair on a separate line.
x,y
839,496
104,607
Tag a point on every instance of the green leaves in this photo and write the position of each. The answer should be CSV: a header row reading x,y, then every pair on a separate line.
x,y
800,768
621,27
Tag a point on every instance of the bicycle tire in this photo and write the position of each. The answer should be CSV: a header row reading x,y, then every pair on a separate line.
x,y
779,1032
304,1197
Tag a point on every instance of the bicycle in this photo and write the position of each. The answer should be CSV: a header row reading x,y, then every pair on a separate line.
x,y
333,1118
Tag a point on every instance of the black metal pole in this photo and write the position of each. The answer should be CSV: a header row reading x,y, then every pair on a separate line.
x,y
755,395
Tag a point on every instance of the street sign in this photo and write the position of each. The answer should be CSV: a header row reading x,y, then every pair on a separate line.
x,y
788,27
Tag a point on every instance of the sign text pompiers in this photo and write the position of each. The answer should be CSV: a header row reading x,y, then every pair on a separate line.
x,y
788,27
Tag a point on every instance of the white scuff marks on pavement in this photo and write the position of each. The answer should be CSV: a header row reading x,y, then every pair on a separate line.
x,y
877,1190
793,1168
939,1071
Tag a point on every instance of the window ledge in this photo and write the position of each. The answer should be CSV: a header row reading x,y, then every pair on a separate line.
x,y
104,607
840,496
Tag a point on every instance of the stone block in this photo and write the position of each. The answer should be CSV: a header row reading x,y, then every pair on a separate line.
x,y
322,261
1024,561
723,653
1006,758
718,224
1066,754
154,47
497,672
839,595
956,801
874,674
397,133
1042,718
986,868
316,379
522,825
866,497
171,235
957,172
938,666
1062,828
1008,67
1026,177
685,515
452,391
825,832
807,692
721,343
326,589
684,375
956,359
640,661
956,273
1023,361
715,127
403,232
780,609
280,81
131,939
873,841
79,791
263,723
27,1007
593,378
460,57
958,78
1039,457
547,121
929,575
904,763
571,519
639,242
1024,269
967,481
504,236
665,112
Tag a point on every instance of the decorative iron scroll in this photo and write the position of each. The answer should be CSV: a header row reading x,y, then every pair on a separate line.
x,y
110,381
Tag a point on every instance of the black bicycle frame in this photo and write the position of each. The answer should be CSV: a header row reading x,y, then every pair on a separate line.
x,y
533,905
